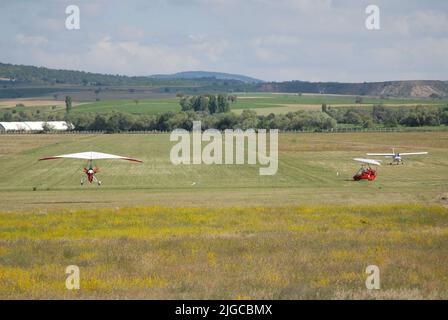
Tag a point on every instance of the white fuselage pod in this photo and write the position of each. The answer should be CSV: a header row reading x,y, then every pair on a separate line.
x,y
397,158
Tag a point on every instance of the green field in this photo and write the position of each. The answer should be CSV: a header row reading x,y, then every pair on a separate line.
x,y
155,230
146,106
263,99
263,103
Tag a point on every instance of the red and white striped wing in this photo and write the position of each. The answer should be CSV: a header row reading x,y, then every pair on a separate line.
x,y
90,155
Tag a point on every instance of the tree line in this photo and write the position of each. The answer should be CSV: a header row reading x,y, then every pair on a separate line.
x,y
118,122
213,111
379,115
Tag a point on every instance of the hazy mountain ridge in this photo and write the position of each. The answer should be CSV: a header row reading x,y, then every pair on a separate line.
x,y
205,74
12,76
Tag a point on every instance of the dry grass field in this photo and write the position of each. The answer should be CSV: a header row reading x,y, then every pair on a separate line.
x,y
304,252
33,102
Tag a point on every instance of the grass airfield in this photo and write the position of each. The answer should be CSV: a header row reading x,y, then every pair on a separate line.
x,y
313,169
308,232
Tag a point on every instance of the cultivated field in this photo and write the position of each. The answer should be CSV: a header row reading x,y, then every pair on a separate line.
x,y
30,102
155,230
147,106
263,103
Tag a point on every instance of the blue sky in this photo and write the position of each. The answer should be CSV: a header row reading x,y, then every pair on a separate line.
x,y
313,40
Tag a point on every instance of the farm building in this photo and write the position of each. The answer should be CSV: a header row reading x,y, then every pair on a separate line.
x,y
35,126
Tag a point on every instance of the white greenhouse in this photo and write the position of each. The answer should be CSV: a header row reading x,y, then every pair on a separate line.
x,y
35,126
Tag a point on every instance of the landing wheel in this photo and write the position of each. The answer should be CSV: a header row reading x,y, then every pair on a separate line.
x,y
99,182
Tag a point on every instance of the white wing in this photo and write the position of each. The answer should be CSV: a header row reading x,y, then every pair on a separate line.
x,y
368,161
381,154
412,153
90,155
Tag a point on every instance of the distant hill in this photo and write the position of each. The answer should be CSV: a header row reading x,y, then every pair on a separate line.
x,y
22,74
402,89
32,75
15,78
206,75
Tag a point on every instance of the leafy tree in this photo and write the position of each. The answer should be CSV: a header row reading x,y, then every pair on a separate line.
x,y
162,119
81,121
329,123
223,104
203,103
99,123
179,120
25,116
368,124
412,120
248,120
144,122
185,104
444,117
68,104
7,116
213,104
282,122
226,121
196,103
391,121
354,117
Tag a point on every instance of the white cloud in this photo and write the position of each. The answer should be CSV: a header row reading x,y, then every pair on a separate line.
x,y
123,57
269,39
425,22
276,40
130,57
130,32
31,40
307,6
